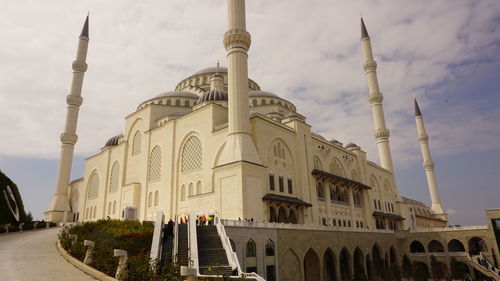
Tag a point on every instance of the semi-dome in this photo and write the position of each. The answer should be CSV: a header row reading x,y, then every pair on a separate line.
x,y
212,70
177,94
262,94
213,95
349,145
113,141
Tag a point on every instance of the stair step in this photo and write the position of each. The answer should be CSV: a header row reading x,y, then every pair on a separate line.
x,y
217,270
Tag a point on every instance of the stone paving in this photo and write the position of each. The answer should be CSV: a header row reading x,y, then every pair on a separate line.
x,y
32,256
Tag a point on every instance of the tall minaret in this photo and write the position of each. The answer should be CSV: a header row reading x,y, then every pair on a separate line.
x,y
59,206
375,97
239,145
423,138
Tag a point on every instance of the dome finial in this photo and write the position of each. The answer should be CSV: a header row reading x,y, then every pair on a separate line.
x,y
218,65
364,32
417,108
85,29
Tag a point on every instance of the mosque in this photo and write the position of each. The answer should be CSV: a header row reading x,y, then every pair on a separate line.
x,y
219,145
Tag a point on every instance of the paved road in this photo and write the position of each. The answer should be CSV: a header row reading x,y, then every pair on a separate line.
x,y
32,256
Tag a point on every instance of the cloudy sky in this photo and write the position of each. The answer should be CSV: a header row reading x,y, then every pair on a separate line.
x,y
446,53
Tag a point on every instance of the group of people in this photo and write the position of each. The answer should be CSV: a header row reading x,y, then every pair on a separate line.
x,y
485,264
204,220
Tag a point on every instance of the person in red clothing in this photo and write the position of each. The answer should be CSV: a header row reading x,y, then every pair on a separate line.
x,y
203,220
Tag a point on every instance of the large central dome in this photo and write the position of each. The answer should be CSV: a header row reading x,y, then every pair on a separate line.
x,y
216,69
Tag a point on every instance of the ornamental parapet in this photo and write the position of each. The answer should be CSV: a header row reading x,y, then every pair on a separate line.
x,y
375,98
423,138
79,66
428,165
74,100
237,38
68,138
381,133
370,66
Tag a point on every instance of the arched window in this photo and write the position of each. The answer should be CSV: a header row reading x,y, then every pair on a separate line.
x,y
250,249
95,211
320,190
186,103
254,102
113,181
157,198
333,192
416,247
109,208
183,193
436,246
136,143
93,185
150,199
178,102
191,155
270,248
191,190
272,214
317,163
198,187
263,102
169,102
114,207
154,169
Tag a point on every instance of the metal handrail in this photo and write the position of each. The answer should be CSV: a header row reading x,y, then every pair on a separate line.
x,y
176,239
226,244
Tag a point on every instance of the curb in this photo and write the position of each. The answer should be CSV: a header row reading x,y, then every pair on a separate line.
x,y
83,267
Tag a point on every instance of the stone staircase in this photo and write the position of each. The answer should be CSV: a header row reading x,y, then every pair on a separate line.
x,y
183,245
211,254
488,270
167,246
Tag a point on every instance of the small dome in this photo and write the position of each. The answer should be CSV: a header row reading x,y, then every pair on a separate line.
x,y
212,70
213,95
179,94
334,141
262,94
113,141
351,145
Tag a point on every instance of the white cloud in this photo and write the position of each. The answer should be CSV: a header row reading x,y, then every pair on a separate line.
x,y
306,51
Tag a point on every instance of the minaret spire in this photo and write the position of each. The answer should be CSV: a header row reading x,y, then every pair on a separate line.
x,y
436,208
375,97
239,145
59,208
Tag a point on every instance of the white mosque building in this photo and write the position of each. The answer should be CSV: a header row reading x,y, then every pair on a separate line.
x,y
217,144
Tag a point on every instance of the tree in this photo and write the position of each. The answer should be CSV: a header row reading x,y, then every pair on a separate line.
x,y
407,268
393,274
359,273
458,270
29,217
11,204
437,269
420,272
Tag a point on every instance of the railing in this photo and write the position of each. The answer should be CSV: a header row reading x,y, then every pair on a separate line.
x,y
485,267
457,254
156,244
176,240
193,244
450,228
238,223
226,244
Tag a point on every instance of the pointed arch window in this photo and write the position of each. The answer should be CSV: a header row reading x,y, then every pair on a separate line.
x,y
136,143
154,170
93,186
191,155
270,248
157,198
251,249
113,181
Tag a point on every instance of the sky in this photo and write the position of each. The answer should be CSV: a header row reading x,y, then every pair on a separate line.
x,y
446,53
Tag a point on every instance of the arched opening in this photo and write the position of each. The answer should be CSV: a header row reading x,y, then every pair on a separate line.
x,y
477,245
436,247
272,214
439,270
292,217
157,198
378,264
329,270
359,268
270,248
420,271
417,247
311,266
282,217
251,249
369,271
320,190
292,264
458,270
393,255
183,193
455,246
345,265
